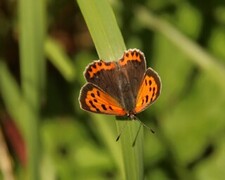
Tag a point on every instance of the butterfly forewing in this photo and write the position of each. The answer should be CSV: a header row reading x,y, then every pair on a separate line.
x,y
93,99
104,75
149,90
133,64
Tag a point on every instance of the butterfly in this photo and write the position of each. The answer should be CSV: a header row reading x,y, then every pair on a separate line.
x,y
121,88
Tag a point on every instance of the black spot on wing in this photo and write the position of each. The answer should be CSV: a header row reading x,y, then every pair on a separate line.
x,y
92,104
146,82
146,100
104,107
100,63
98,93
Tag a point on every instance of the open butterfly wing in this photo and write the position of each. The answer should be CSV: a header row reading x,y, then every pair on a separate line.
x,y
133,64
95,100
149,90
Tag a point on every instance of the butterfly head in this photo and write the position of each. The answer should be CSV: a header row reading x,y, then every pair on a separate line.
x,y
131,115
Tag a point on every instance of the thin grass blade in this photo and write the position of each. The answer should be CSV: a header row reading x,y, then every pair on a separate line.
x,y
110,46
32,33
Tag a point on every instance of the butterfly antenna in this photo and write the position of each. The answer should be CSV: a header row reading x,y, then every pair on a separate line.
x,y
135,139
121,131
145,125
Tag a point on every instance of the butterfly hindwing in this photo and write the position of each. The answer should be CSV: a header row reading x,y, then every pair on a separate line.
x,y
149,90
93,99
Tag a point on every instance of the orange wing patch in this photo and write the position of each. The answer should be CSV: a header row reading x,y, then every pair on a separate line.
x,y
97,66
131,55
149,90
95,100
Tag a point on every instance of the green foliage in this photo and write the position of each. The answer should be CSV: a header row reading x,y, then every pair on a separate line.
x,y
181,41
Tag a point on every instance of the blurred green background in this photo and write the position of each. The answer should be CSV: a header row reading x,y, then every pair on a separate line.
x,y
184,41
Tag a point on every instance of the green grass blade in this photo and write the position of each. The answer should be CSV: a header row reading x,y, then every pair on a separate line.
x,y
133,156
110,46
103,27
11,95
32,32
59,59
